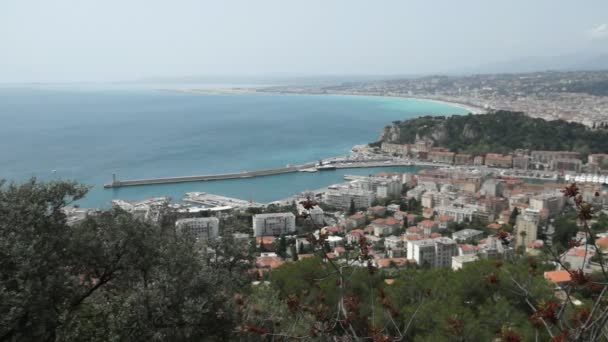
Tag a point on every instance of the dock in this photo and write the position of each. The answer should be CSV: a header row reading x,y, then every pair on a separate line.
x,y
116,183
183,179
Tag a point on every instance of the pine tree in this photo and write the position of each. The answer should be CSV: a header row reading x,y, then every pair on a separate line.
x,y
352,209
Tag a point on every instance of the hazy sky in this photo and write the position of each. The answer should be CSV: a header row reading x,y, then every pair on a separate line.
x,y
106,40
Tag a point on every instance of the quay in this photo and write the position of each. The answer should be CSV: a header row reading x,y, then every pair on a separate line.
x,y
183,179
307,167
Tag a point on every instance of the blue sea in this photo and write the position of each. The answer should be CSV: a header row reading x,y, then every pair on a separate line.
x,y
88,132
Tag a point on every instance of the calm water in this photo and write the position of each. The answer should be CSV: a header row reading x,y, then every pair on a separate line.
x,y
89,132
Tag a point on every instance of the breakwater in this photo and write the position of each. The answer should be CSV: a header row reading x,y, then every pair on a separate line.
x,y
183,179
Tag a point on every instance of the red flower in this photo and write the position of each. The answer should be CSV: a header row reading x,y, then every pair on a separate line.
x,y
578,277
492,279
571,190
454,326
308,204
256,329
574,243
548,311
508,335
563,337
580,316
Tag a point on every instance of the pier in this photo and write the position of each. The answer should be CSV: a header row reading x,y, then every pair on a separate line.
x,y
183,179
307,167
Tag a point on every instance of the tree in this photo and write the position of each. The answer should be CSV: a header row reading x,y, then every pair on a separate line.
x,y
281,248
110,277
513,216
352,209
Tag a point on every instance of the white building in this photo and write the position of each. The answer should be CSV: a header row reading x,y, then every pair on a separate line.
x,y
382,187
467,235
526,228
340,196
203,228
554,203
316,214
274,224
459,214
459,260
436,252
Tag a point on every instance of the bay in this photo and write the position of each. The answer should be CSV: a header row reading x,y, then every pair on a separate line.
x,y
88,132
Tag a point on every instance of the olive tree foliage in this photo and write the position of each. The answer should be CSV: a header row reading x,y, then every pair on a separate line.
x,y
110,277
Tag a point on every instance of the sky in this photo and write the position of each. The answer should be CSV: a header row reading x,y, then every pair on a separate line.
x,y
122,40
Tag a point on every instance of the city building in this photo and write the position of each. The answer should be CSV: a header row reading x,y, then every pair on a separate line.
x,y
463,159
545,157
274,224
458,261
467,235
441,157
499,160
203,228
526,228
570,165
521,162
341,197
437,252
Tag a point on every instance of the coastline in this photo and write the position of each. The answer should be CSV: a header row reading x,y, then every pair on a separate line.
x,y
246,90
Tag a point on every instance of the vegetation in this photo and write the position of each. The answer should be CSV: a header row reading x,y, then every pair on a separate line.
x,y
109,278
480,134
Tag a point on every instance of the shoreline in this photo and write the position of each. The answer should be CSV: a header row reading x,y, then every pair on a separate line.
x,y
240,91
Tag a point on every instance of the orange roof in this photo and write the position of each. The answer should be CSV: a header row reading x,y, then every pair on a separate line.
x,y
414,230
378,207
357,216
339,249
602,242
357,232
265,240
399,212
391,221
412,237
386,262
468,248
445,218
411,216
304,256
427,223
561,276
435,235
268,262
494,226
378,221
581,252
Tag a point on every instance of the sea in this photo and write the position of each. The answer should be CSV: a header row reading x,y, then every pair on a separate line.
x,y
89,132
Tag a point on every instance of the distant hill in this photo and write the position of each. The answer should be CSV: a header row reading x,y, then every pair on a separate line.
x,y
500,131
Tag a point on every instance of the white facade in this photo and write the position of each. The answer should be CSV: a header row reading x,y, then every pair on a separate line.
x,y
341,196
204,228
460,260
436,252
459,214
274,224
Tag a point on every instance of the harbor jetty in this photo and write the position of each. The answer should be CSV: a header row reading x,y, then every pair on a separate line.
x,y
116,183
335,162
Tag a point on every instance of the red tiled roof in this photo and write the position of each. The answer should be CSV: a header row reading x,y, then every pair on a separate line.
x,y
265,240
561,276
268,262
495,226
427,223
